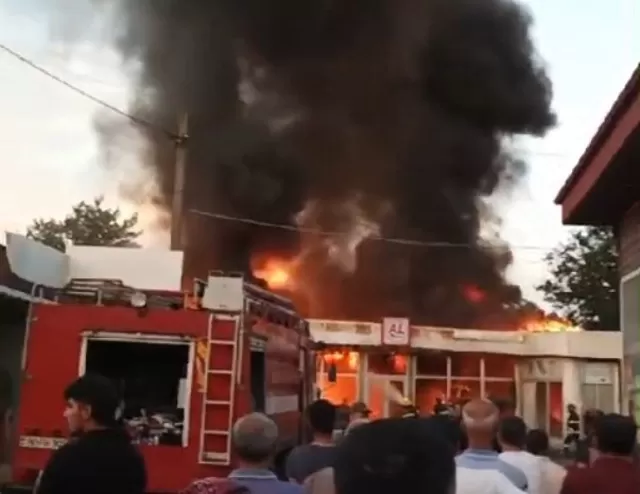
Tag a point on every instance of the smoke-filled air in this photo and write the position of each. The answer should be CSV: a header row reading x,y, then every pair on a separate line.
x,y
369,118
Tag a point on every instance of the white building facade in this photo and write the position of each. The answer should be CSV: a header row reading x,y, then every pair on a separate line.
x,y
540,373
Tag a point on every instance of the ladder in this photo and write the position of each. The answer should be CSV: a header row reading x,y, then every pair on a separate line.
x,y
221,374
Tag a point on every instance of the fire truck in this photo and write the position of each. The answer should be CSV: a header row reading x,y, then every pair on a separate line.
x,y
186,366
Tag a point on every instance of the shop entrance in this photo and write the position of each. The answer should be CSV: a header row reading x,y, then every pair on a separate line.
x,y
383,393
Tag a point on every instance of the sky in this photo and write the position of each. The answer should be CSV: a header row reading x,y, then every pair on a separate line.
x,y
50,155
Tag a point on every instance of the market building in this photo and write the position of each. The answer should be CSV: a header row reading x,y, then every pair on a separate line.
x,y
541,373
604,189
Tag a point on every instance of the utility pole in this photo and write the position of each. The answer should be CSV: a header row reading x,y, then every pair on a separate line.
x,y
177,206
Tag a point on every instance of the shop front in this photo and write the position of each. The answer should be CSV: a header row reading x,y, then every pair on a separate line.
x,y
455,365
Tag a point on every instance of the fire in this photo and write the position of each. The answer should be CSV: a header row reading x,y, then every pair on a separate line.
x,y
277,273
550,325
473,294
352,358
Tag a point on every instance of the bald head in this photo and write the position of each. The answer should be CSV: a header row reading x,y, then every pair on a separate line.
x,y
480,415
254,437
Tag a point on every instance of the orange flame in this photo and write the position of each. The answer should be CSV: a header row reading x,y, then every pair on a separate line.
x,y
352,358
550,325
277,273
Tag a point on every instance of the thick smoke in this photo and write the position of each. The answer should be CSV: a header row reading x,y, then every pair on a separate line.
x,y
369,116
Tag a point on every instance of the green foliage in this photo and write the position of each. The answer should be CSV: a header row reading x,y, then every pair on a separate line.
x,y
583,282
88,224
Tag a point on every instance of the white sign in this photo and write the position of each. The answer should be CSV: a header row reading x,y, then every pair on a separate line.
x,y
37,442
395,331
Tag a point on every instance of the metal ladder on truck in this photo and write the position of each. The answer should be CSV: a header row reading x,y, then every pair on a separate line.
x,y
221,375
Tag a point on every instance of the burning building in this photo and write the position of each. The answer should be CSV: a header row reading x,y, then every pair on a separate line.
x,y
349,152
539,369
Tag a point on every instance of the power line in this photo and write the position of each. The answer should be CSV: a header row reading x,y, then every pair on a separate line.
x,y
173,135
85,94
327,233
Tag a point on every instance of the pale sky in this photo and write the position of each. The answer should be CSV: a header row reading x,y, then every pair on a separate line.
x,y
50,157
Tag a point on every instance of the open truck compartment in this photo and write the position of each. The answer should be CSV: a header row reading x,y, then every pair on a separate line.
x,y
152,378
186,365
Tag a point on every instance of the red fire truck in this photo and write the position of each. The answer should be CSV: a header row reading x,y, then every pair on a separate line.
x,y
186,367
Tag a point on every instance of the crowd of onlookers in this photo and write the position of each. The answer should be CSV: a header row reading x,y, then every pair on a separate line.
x,y
476,451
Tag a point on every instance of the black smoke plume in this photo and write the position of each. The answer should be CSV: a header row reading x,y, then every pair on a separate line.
x,y
391,113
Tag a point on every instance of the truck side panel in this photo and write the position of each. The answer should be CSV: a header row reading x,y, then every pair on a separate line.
x,y
53,358
283,379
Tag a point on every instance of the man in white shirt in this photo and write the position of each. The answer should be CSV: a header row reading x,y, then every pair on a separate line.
x,y
552,474
512,437
479,470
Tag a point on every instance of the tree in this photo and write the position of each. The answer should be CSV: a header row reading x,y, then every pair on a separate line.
x,y
88,224
583,282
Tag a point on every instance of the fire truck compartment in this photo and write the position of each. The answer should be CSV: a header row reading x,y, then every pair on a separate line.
x,y
153,380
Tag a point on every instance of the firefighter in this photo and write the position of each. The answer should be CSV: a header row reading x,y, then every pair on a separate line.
x,y
573,427
407,409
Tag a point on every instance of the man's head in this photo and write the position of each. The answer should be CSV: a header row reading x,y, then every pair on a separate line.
x,y
512,433
394,455
359,410
615,435
321,415
480,419
254,438
538,442
92,402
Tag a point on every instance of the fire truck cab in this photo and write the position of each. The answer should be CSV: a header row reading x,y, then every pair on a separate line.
x,y
186,367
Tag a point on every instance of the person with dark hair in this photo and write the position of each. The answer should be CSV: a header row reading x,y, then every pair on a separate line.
x,y
307,459
551,474
512,437
394,455
449,428
101,460
613,471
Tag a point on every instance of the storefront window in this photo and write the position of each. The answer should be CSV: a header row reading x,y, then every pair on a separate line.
x,y
388,363
599,397
465,365
382,395
343,392
431,364
463,390
346,362
502,390
501,366
428,391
